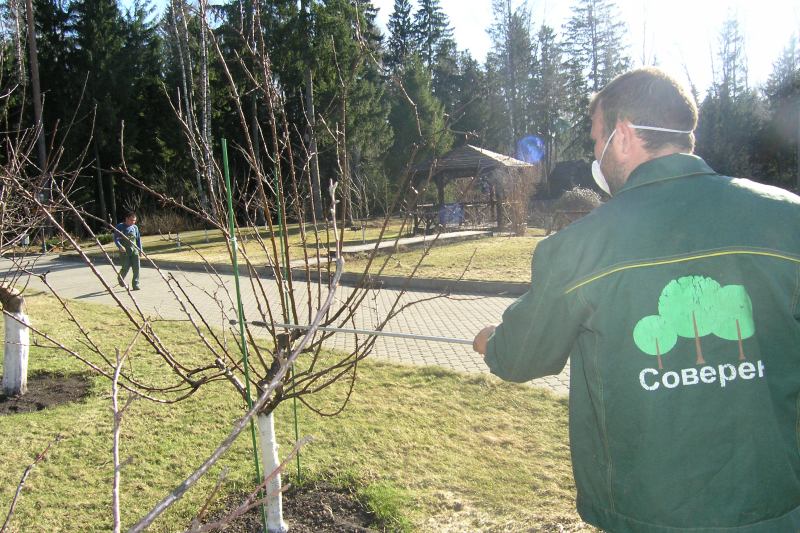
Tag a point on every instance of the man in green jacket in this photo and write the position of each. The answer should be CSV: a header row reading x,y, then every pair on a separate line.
x,y
678,304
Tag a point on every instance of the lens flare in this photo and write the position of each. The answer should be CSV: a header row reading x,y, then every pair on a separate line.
x,y
530,149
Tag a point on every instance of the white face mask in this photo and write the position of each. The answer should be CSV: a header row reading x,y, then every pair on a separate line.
x,y
597,172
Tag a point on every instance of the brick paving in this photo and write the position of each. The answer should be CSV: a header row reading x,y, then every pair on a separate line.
x,y
456,316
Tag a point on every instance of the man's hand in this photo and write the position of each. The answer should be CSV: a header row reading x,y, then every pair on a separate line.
x,y
479,343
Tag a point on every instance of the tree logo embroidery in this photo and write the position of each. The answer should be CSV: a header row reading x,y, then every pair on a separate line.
x,y
693,307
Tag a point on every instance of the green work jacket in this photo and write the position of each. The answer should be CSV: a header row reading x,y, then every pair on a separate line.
x,y
677,304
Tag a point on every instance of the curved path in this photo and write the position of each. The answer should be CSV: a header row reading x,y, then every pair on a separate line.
x,y
456,316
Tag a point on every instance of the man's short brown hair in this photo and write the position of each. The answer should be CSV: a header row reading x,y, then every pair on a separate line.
x,y
649,97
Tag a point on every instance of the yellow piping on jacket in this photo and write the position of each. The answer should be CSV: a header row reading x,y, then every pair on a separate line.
x,y
680,260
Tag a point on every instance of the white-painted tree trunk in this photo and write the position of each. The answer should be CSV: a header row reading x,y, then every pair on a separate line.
x,y
270,463
15,354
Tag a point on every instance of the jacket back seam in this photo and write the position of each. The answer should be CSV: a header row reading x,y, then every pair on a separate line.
x,y
796,296
602,402
797,422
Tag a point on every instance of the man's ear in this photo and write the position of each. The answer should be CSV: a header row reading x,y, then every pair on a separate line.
x,y
628,139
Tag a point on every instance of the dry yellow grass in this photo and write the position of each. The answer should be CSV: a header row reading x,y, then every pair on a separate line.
x,y
449,452
500,258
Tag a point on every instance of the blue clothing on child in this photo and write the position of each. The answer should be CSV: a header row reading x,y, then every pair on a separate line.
x,y
129,242
126,236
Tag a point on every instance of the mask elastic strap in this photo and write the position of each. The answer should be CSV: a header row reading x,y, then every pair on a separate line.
x,y
656,128
607,143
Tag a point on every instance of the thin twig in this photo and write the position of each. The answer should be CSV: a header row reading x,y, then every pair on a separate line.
x,y
118,414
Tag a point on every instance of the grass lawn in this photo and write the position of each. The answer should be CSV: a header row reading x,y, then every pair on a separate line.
x,y
443,451
501,258
211,244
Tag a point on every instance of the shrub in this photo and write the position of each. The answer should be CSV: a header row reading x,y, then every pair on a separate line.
x,y
104,238
577,199
572,205
166,222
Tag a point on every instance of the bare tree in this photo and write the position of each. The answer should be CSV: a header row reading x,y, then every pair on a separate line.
x,y
293,305
19,218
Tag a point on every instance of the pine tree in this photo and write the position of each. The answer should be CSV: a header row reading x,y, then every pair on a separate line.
x,y
595,53
496,130
731,115
419,128
779,146
100,36
785,70
444,77
733,64
574,138
349,92
56,45
370,135
368,26
431,29
469,112
146,112
401,42
512,53
548,104
594,37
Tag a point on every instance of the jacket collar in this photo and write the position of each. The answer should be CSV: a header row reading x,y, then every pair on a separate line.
x,y
666,168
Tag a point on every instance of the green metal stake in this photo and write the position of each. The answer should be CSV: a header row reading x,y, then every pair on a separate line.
x,y
240,310
285,260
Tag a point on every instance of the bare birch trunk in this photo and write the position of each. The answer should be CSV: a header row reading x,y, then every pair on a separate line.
x,y
17,343
15,8
180,30
270,464
205,107
316,189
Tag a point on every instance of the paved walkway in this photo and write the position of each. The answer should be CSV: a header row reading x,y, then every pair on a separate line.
x,y
417,240
456,316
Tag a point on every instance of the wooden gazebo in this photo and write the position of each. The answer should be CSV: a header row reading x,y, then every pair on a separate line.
x,y
471,161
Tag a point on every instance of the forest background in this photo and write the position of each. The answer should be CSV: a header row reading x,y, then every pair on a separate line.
x,y
103,64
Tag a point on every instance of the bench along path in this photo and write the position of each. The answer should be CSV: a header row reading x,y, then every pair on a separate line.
x,y
458,316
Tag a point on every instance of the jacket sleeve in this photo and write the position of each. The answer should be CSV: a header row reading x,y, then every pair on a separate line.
x,y
138,238
539,329
116,233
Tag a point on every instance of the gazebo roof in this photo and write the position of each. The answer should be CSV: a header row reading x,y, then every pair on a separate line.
x,y
468,161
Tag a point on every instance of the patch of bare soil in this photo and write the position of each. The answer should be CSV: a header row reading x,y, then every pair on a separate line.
x,y
312,508
46,390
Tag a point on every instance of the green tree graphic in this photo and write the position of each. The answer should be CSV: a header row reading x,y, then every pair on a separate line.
x,y
654,336
687,304
734,315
